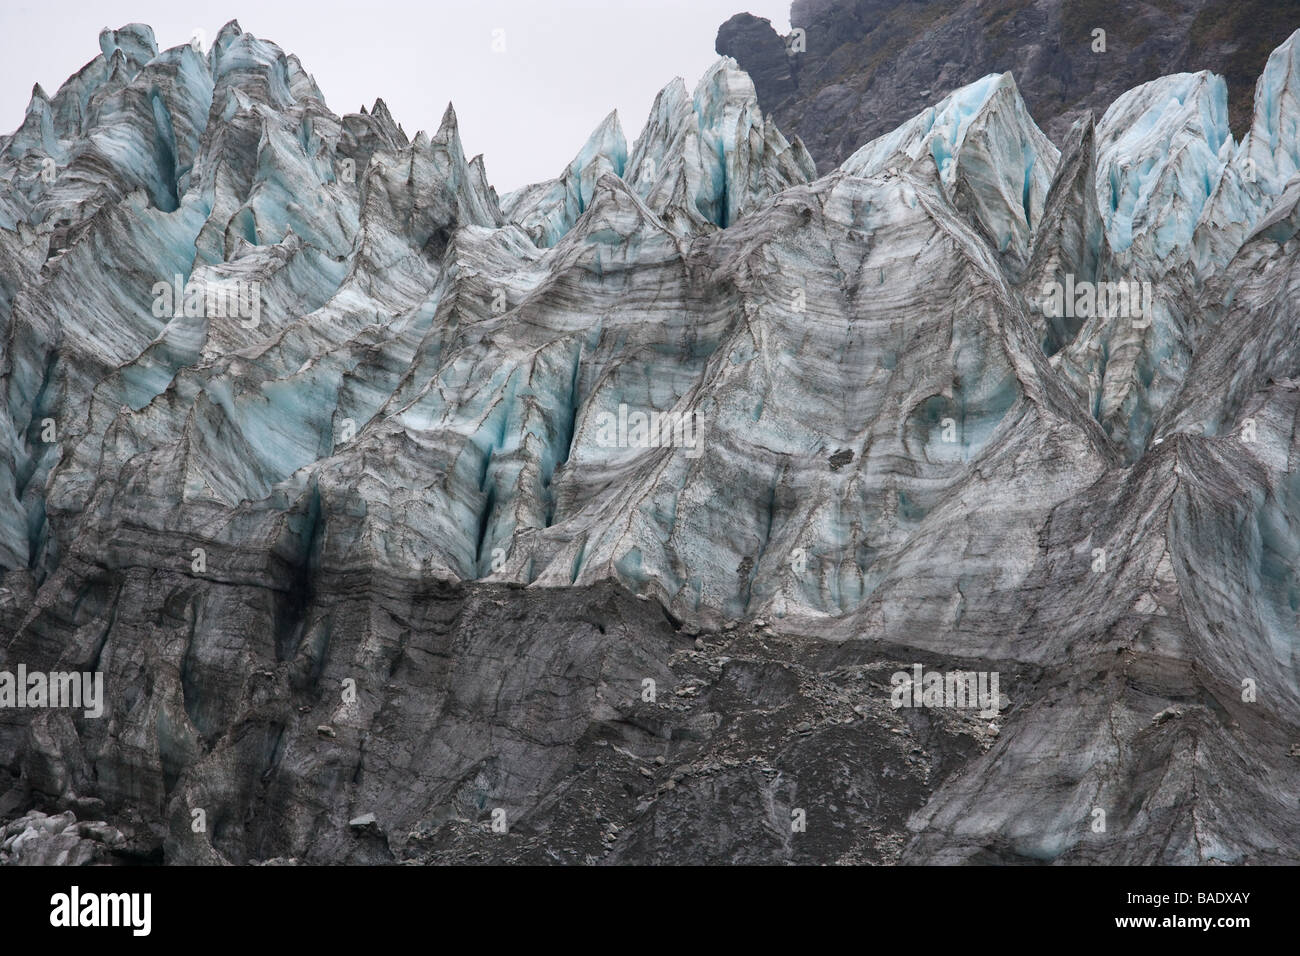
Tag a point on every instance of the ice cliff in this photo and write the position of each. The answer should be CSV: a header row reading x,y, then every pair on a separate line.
x,y
290,400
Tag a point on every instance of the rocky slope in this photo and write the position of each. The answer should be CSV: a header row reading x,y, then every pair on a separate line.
x,y
863,67
338,468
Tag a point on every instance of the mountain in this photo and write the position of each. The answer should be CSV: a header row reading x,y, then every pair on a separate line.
x,y
856,69
632,516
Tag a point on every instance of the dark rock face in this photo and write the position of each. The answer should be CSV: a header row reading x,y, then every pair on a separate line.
x,y
871,64
472,706
766,59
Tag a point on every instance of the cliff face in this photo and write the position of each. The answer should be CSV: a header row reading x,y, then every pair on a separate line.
x,y
869,65
336,472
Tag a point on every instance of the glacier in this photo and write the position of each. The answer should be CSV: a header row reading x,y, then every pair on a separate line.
x,y
396,476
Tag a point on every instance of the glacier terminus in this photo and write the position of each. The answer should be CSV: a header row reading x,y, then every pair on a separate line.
x,y
590,523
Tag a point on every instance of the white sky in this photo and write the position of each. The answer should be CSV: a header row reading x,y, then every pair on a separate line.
x,y
528,110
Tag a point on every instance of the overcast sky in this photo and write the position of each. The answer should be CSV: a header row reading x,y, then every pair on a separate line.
x,y
528,110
